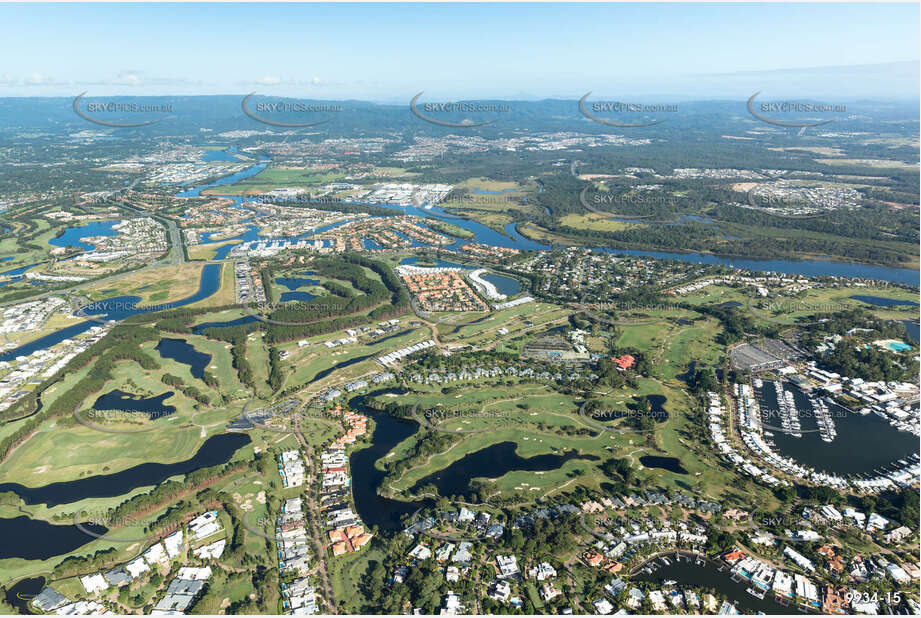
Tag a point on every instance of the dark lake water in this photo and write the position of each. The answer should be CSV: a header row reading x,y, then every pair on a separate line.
x,y
72,235
119,308
247,319
914,330
295,283
863,443
879,301
34,539
672,464
373,509
707,576
126,402
24,591
216,450
183,352
491,462
505,285
302,297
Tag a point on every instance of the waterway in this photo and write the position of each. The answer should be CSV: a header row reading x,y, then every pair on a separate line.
x,y
707,576
373,509
863,444
118,308
247,319
216,450
512,239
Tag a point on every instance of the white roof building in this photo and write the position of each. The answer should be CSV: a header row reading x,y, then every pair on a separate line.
x,y
94,583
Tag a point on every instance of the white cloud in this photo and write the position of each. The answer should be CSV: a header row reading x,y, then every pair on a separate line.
x,y
38,79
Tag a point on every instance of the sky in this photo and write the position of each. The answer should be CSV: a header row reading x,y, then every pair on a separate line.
x,y
389,52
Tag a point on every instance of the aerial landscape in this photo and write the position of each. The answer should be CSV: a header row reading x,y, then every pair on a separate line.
x,y
460,309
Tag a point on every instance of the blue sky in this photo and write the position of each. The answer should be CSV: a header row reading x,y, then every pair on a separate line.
x,y
388,52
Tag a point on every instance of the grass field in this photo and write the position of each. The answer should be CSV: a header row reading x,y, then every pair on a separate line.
x,y
595,222
153,285
274,177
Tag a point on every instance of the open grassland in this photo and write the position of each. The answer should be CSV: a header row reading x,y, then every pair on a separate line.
x,y
314,358
349,574
154,286
481,329
207,251
257,353
594,221
273,178
63,449
806,305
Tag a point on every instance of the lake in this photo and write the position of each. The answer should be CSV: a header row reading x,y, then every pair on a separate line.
x,y
879,301
22,592
491,462
126,402
375,510
34,539
505,285
183,352
198,329
216,450
672,464
72,235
